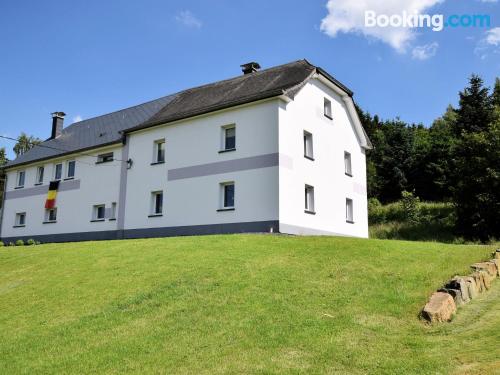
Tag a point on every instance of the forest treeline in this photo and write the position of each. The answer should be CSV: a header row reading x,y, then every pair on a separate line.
x,y
456,159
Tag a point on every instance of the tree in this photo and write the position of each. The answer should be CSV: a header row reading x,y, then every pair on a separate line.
x,y
25,143
476,154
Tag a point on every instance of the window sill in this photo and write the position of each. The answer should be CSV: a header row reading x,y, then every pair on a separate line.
x,y
107,161
309,157
328,116
349,222
226,209
158,162
97,220
69,178
19,187
155,215
348,174
39,183
227,150
19,226
310,212
49,222
112,219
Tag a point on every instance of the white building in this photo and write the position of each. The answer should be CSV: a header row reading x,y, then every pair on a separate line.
x,y
275,150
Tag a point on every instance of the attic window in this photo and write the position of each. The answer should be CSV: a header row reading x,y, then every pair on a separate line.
x,y
105,158
327,108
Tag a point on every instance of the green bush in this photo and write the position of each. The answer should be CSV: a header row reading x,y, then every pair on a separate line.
x,y
31,242
37,242
19,243
12,244
410,205
2,244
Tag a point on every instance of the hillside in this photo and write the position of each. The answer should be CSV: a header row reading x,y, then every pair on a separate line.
x,y
240,304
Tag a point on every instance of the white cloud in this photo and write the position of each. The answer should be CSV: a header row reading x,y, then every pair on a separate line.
x,y
488,1
348,16
489,44
425,51
493,36
188,19
77,118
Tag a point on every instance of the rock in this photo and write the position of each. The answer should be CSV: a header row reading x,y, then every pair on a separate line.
x,y
486,266
487,278
440,307
464,289
497,265
478,278
471,286
455,293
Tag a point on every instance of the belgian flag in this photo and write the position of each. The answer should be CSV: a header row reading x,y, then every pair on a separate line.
x,y
51,195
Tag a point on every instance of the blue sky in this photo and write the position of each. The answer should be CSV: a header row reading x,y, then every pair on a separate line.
x,y
88,58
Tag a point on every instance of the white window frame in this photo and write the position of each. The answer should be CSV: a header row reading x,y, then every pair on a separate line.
x,y
309,199
349,210
40,171
222,196
348,163
55,172
95,212
68,177
308,145
157,143
17,222
47,215
153,211
18,179
224,147
327,108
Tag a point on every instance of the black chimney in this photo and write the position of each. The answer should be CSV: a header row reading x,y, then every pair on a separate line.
x,y
250,67
57,124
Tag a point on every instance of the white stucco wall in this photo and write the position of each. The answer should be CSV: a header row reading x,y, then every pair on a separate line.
x,y
326,173
99,184
194,142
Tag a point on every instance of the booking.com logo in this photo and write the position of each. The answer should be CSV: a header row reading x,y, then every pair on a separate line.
x,y
436,21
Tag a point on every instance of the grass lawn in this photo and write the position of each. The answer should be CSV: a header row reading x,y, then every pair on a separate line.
x,y
240,304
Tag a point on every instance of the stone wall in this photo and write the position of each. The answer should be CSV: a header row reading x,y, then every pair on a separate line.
x,y
461,290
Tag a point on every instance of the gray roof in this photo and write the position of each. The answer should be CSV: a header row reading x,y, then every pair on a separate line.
x,y
108,129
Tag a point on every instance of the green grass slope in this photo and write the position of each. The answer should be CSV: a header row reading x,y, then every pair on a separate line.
x,y
240,304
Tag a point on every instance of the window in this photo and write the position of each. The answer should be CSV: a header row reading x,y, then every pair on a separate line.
x,y
227,196
349,215
309,199
39,175
308,145
327,108
21,176
112,216
347,163
58,171
20,219
228,138
51,215
156,203
70,169
98,212
159,151
105,158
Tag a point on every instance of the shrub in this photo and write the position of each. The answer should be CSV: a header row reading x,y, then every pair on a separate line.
x,y
376,212
12,244
2,244
19,243
410,205
37,242
31,242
